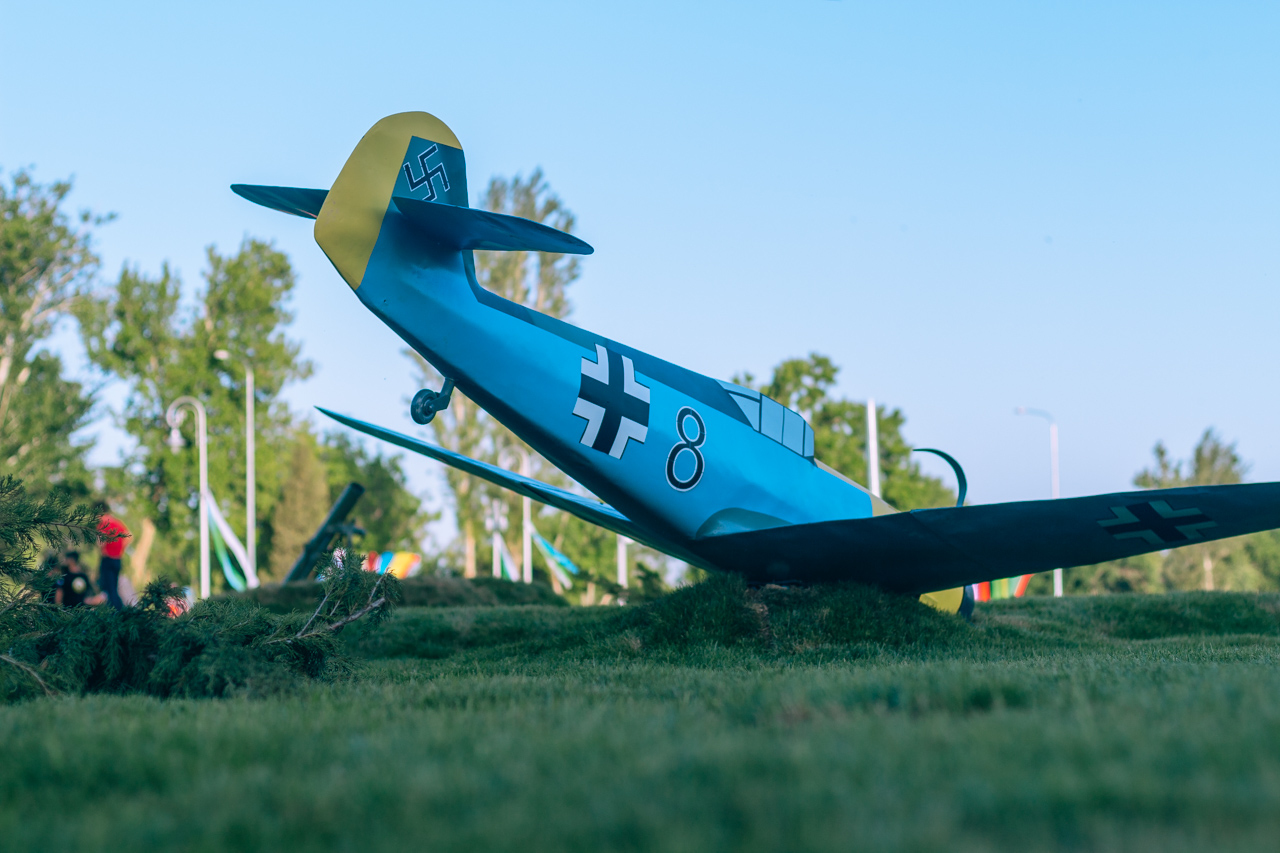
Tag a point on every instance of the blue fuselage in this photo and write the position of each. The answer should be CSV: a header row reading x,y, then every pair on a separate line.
x,y
696,458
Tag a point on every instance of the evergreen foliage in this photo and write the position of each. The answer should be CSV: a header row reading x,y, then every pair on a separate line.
x,y
218,648
27,522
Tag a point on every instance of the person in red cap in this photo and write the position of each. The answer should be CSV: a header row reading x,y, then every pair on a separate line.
x,y
114,535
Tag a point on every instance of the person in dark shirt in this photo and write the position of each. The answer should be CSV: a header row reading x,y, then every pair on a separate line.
x,y
74,587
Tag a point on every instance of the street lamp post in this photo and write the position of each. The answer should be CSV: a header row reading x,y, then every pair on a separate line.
x,y
873,448
1053,473
173,416
250,478
496,523
623,564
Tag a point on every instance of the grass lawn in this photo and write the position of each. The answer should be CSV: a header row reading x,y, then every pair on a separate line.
x,y
714,719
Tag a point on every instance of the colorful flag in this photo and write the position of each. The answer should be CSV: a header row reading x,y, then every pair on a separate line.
x,y
509,566
402,564
558,563
239,573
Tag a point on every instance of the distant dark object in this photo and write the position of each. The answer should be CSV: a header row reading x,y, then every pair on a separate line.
x,y
334,527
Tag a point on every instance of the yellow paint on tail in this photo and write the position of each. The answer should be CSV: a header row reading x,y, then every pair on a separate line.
x,y
348,225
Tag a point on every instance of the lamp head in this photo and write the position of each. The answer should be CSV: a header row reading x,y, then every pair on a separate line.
x,y
221,354
175,441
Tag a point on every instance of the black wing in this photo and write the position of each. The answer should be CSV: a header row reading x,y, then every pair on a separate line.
x,y
934,549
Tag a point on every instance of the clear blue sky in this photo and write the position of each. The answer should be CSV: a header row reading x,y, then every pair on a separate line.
x,y
968,206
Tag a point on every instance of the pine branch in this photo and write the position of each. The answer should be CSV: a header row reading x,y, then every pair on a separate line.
x,y
30,673
304,628
368,608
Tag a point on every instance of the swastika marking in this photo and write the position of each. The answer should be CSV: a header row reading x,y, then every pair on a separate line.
x,y
427,174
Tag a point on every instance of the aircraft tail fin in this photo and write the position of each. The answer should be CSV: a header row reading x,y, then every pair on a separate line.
x,y
466,228
294,200
408,177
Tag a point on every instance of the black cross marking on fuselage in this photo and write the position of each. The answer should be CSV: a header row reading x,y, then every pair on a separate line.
x,y
1149,520
615,401
427,174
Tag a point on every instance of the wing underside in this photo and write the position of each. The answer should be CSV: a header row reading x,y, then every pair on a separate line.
x,y
936,549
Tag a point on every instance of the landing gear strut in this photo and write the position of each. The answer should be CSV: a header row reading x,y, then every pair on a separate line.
x,y
427,402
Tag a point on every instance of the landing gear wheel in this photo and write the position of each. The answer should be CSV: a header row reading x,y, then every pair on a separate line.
x,y
423,407
966,603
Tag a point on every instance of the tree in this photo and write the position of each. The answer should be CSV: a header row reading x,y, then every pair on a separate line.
x,y
135,332
840,432
301,507
46,263
392,517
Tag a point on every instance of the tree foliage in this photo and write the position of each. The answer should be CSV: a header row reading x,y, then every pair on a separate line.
x,y
138,332
46,263
301,508
840,432
392,516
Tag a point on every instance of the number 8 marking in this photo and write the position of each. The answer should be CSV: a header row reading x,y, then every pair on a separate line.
x,y
689,444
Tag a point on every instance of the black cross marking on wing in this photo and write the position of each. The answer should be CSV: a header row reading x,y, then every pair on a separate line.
x,y
1157,523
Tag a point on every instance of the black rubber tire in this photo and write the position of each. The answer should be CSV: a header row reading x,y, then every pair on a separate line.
x,y
421,409
967,602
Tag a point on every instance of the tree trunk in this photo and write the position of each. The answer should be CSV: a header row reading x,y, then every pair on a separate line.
x,y
142,550
469,551
1208,573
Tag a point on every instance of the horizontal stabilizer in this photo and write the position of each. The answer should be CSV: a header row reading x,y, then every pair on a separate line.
x,y
933,549
295,200
588,509
468,228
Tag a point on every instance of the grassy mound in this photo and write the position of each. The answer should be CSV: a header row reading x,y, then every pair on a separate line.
x,y
425,591
719,613
835,621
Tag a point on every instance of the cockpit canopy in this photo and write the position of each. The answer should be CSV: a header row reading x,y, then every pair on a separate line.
x,y
773,420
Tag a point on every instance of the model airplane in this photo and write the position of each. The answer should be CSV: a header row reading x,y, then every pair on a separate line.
x,y
706,471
